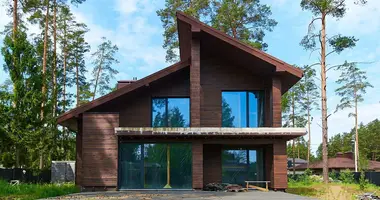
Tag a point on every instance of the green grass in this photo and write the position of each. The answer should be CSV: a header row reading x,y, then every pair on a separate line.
x,y
35,191
300,188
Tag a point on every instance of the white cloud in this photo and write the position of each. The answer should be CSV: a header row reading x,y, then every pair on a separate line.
x,y
359,19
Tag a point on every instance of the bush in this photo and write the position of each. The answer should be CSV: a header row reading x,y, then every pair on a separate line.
x,y
362,181
347,177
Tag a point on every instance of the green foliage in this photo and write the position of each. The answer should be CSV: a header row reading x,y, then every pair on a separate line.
x,y
363,182
245,20
302,147
293,113
35,191
104,58
353,85
347,177
227,117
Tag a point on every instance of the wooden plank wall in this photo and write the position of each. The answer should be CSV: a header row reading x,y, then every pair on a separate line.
x,y
212,163
279,168
78,147
99,150
276,102
218,75
197,149
195,84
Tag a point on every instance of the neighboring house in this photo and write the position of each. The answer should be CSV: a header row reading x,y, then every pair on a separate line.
x,y
198,121
342,161
298,161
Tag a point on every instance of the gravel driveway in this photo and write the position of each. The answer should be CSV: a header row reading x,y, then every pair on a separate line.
x,y
185,195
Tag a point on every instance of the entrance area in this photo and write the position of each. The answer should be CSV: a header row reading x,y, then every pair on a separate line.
x,y
242,164
155,166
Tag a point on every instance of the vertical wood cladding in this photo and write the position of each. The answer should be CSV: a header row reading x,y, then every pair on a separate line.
x,y
276,102
78,145
212,163
195,84
99,150
197,149
217,76
280,162
269,163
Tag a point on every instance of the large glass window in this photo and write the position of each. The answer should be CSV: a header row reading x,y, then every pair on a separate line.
x,y
155,166
239,165
242,109
170,112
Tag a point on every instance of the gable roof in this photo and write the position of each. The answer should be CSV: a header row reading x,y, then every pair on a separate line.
x,y
197,26
123,90
185,22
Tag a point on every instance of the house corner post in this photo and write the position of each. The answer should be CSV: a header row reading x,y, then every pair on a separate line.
x,y
279,175
197,176
78,147
275,95
195,84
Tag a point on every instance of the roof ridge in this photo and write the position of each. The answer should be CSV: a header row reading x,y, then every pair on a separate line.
x,y
180,14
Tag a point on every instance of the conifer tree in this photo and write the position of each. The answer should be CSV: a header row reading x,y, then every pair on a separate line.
x,y
321,9
103,72
353,84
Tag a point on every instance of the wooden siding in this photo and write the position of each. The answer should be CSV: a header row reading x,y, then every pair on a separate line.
x,y
197,148
99,150
217,76
195,84
276,102
212,163
78,148
279,166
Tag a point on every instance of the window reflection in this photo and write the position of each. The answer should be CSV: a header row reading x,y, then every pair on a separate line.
x,y
242,109
170,112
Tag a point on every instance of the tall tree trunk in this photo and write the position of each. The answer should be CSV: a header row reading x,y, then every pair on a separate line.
x,y
96,81
14,33
294,125
44,63
15,19
324,101
64,76
55,59
77,81
309,133
356,134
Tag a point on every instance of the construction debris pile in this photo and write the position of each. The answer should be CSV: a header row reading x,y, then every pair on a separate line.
x,y
224,187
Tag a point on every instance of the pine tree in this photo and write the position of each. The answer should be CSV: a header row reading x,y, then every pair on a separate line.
x,y
77,48
104,58
321,9
353,83
309,100
293,115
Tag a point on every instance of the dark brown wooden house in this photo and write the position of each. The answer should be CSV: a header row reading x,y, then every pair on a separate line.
x,y
215,116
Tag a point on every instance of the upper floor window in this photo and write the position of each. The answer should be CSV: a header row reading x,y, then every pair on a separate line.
x,y
170,112
242,109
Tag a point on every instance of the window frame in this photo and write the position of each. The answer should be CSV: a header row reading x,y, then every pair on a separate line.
x,y
247,107
167,108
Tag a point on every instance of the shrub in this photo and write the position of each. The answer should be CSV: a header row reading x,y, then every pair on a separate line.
x,y
362,181
347,177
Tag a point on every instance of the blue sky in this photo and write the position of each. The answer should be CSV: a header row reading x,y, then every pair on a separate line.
x,y
134,26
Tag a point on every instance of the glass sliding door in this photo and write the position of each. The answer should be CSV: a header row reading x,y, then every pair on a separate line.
x,y
155,166
239,165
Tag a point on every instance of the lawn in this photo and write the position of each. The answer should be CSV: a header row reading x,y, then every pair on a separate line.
x,y
330,191
35,191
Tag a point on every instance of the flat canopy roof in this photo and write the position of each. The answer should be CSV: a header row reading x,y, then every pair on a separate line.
x,y
289,133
